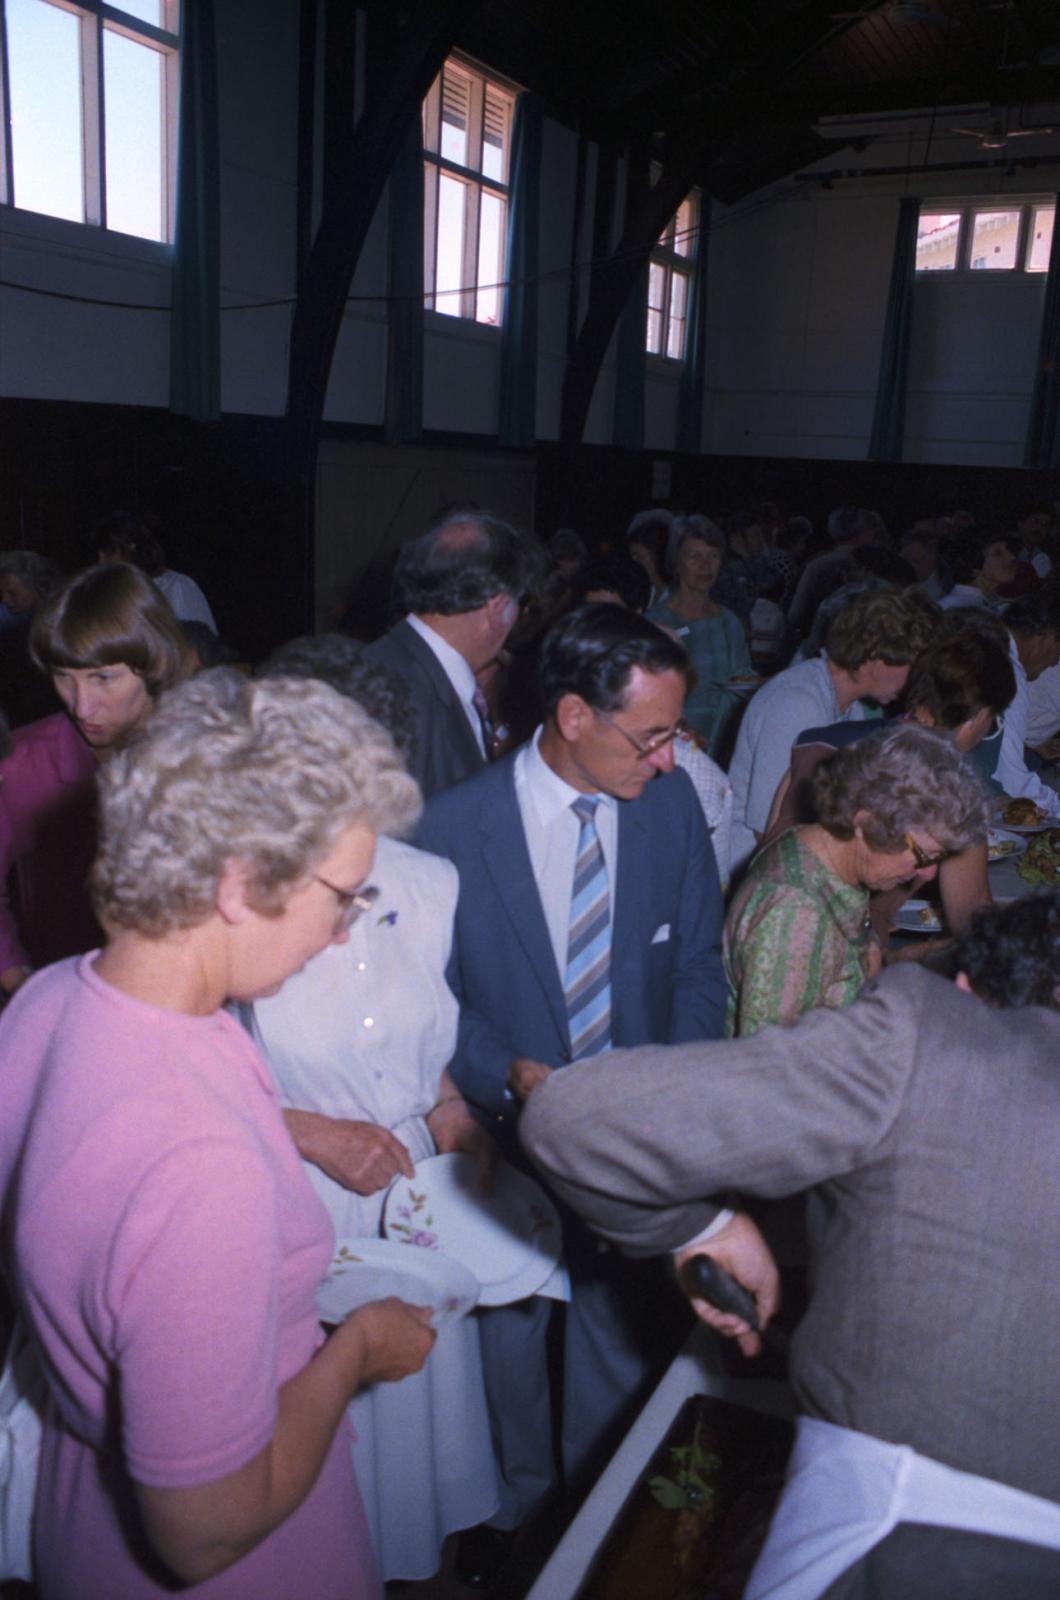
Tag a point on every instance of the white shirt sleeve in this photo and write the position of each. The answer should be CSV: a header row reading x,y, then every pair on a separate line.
x,y
1011,770
722,1220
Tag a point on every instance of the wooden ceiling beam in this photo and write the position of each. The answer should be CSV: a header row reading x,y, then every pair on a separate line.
x,y
406,48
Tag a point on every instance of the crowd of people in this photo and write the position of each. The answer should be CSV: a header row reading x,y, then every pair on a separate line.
x,y
587,863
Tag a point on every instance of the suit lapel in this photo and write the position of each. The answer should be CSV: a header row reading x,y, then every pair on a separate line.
x,y
432,669
507,861
634,873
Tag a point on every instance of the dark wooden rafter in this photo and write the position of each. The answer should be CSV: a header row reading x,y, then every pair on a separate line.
x,y
406,46
612,282
724,102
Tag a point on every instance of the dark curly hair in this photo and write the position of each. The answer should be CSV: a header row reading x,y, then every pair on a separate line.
x,y
619,575
462,562
1011,953
881,625
339,662
957,676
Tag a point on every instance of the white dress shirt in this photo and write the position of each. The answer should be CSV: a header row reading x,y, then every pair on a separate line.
x,y
457,670
1011,770
1043,707
551,831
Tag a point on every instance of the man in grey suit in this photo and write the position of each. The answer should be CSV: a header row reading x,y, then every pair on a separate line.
x,y
461,584
925,1119
613,686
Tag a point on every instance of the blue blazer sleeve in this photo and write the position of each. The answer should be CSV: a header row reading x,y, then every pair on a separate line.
x,y
699,989
497,964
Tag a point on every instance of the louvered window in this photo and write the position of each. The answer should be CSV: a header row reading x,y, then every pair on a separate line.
x,y
669,280
467,121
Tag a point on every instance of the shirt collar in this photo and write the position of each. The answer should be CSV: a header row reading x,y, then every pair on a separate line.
x,y
453,664
550,794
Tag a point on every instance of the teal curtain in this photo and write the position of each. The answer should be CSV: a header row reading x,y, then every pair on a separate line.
x,y
627,422
631,337
517,415
691,393
195,319
403,413
888,419
1043,432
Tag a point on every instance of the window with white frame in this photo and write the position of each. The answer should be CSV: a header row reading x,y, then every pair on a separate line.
x,y
670,282
90,111
467,129
988,236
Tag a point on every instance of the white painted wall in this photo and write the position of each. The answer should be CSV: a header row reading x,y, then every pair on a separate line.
x,y
799,278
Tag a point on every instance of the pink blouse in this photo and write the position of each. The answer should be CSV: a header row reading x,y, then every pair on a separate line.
x,y
166,1251
47,842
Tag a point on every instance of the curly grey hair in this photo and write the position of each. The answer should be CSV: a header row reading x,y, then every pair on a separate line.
x,y
901,778
270,773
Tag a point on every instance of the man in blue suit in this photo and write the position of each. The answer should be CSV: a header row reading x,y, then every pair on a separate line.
x,y
613,687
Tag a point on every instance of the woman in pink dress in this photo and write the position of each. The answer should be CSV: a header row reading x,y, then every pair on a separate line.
x,y
110,644
162,1240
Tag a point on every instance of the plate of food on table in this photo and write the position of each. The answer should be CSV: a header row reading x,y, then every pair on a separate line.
x,y
1000,844
1023,816
918,916
1040,862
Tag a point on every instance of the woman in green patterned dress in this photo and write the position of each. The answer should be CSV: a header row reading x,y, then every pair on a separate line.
x,y
889,809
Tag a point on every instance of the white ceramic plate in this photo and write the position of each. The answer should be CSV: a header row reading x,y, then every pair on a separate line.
x,y
1000,844
370,1269
918,916
510,1238
1033,827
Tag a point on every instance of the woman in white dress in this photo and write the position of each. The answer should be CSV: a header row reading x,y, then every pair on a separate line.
x,y
358,1048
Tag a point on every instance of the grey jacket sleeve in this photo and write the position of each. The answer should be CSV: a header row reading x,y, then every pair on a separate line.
x,y
638,1141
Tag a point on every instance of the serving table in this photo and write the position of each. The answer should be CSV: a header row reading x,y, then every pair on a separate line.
x,y
697,1369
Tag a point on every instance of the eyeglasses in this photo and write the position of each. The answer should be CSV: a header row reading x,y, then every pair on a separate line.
x,y
645,747
921,856
351,903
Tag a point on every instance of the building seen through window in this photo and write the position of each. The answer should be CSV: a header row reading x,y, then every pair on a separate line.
x,y
670,282
467,127
89,123
991,236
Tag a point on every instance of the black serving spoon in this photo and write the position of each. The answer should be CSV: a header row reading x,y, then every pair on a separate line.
x,y
704,1278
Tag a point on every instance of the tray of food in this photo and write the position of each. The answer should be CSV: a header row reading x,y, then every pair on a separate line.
x,y
1040,862
698,1517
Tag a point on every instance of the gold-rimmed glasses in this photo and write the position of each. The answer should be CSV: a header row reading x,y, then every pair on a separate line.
x,y
352,902
644,747
921,856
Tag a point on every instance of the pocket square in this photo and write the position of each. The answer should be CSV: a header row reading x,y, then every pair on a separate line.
x,y
661,934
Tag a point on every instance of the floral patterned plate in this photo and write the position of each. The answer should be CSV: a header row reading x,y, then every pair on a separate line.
x,y
370,1269
510,1238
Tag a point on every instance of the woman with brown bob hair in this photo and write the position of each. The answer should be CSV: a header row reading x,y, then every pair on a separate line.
x,y
889,809
110,645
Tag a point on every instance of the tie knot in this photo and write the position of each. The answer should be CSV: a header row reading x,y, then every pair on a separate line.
x,y
584,809
480,703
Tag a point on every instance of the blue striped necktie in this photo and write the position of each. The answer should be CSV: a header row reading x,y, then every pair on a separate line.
x,y
587,982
